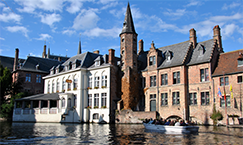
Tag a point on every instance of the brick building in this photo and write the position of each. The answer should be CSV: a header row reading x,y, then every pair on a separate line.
x,y
176,80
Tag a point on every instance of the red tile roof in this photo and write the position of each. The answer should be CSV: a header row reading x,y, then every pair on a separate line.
x,y
228,63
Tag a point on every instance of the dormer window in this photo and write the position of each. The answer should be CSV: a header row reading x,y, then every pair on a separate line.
x,y
76,63
201,49
70,65
37,67
52,70
152,60
97,63
168,55
240,60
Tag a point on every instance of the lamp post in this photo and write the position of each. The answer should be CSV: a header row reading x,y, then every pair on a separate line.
x,y
226,116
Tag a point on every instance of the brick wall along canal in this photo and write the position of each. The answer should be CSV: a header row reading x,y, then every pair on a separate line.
x,y
55,133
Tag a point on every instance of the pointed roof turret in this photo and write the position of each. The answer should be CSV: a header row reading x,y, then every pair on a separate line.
x,y
79,45
128,26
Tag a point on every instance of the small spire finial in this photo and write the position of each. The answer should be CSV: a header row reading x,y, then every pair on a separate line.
x,y
45,42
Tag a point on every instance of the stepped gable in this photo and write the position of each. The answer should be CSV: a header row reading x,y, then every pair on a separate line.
x,y
228,63
178,53
199,57
44,64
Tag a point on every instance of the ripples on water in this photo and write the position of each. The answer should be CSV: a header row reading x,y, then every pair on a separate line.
x,y
55,133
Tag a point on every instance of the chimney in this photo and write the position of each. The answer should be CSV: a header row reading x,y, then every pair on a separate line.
x,y
140,47
193,37
44,52
16,59
112,56
96,51
48,54
217,37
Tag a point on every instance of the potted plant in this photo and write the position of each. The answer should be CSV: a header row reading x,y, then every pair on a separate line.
x,y
95,107
88,107
74,88
96,87
103,87
89,88
69,89
63,91
103,107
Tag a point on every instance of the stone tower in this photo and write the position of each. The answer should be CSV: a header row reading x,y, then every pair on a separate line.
x,y
128,51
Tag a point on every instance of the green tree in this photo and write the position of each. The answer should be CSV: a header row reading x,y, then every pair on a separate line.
x,y
217,115
5,83
8,106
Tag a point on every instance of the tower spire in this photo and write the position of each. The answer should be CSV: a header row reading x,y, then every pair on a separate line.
x,y
128,26
79,45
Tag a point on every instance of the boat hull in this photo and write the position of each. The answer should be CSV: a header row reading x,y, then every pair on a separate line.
x,y
171,129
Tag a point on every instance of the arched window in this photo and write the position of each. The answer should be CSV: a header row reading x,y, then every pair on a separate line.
x,y
49,87
53,86
90,81
75,100
96,81
75,82
104,80
69,84
63,102
95,116
69,102
58,86
63,84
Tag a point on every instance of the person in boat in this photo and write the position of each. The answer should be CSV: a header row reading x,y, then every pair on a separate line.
x,y
177,123
172,123
151,121
146,120
157,122
162,121
182,123
168,122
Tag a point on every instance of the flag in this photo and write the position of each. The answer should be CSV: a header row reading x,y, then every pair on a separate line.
x,y
231,90
219,93
224,94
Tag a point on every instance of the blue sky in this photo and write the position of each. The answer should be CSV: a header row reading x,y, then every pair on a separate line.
x,y
26,24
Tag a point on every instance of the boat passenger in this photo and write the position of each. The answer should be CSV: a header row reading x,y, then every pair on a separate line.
x,y
151,121
183,123
162,121
177,123
157,122
168,122
146,120
172,123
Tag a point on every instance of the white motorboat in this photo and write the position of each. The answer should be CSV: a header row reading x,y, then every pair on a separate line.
x,y
171,129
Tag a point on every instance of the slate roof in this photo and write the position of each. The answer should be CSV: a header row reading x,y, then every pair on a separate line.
x,y
228,63
52,96
196,58
45,64
55,57
9,62
142,60
178,51
128,26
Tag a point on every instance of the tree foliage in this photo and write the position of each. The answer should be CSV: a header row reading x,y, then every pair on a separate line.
x,y
5,83
8,106
217,115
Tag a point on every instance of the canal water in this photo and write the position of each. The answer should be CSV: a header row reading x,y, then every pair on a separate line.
x,y
56,133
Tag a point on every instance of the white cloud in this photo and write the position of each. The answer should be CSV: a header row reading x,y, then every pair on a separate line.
x,y
18,29
177,13
49,19
96,32
29,6
68,32
105,1
229,30
112,4
75,6
2,4
1,51
232,5
2,38
7,17
118,13
44,37
194,3
86,19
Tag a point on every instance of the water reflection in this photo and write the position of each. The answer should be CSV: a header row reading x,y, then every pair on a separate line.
x,y
55,133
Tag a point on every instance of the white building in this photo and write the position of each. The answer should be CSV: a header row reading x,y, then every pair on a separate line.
x,y
79,90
